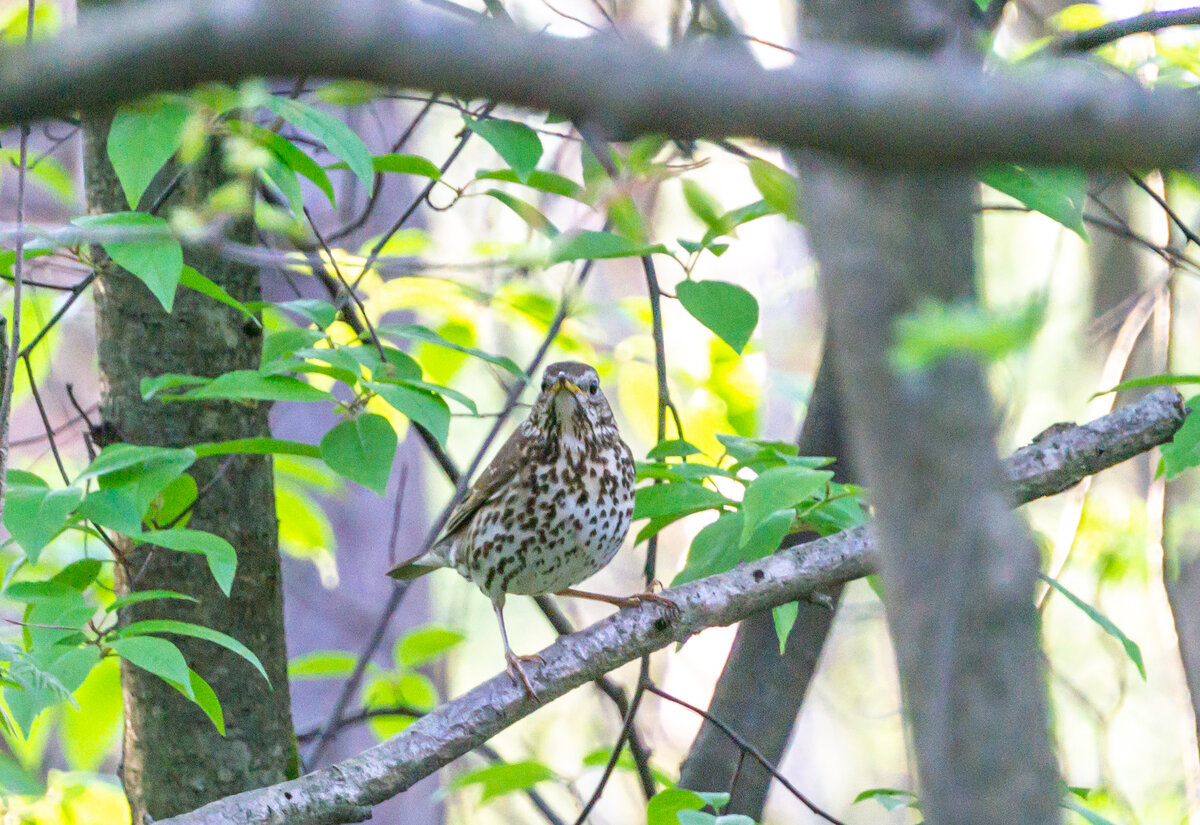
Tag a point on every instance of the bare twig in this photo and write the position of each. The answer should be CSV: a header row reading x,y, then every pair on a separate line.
x,y
1088,39
746,748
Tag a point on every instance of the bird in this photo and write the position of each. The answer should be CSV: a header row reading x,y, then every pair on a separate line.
x,y
550,510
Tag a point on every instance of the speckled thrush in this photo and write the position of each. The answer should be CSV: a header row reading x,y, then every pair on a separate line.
x,y
551,509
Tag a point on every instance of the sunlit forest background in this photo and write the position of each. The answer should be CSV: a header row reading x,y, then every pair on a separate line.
x,y
1110,296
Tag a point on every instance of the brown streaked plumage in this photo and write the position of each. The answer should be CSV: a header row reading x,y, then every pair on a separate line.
x,y
550,510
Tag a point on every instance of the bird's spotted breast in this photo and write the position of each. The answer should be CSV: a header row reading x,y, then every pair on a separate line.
x,y
562,521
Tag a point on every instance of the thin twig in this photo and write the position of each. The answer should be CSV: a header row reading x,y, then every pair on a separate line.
x,y
373,255
1187,231
746,747
49,429
1093,38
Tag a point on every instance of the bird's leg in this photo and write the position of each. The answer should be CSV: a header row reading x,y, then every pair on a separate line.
x,y
515,671
624,601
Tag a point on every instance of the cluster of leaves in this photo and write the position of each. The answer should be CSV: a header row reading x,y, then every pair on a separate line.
x,y
69,619
761,491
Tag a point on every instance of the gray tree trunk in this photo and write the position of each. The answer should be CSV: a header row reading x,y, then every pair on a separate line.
x,y
174,759
760,691
958,567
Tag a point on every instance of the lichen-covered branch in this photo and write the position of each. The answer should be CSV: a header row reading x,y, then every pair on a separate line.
x,y
345,791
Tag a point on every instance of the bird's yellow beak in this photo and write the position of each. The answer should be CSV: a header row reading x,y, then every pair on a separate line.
x,y
564,388
564,383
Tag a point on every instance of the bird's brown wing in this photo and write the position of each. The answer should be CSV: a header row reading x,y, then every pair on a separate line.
x,y
490,482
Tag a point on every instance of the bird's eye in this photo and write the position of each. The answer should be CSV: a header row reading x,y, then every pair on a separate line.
x,y
594,388
546,383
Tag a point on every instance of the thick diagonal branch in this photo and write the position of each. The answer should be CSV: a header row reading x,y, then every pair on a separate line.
x,y
874,105
344,792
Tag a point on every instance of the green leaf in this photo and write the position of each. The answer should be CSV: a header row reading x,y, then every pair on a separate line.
x,y
497,780
777,489
156,262
202,284
401,164
157,656
322,664
664,807
362,449
704,206
338,138
289,155
143,137
717,548
173,506
321,313
196,631
206,698
47,676
526,212
1162,380
124,461
936,331
420,333
784,618
779,189
235,386
1059,193
519,145
890,798
34,514
550,182
115,508
422,406
677,499
220,555
146,596
596,245
1131,649
257,446
424,644
79,575
1181,453
736,217
1088,814
727,309
675,447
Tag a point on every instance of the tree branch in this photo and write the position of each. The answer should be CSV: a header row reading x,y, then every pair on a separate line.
x,y
344,792
1088,39
873,105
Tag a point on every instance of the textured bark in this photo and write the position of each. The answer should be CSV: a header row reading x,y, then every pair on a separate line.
x,y
958,568
344,792
760,690
871,105
174,759
1181,575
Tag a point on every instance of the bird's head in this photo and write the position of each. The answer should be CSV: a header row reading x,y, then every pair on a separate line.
x,y
571,400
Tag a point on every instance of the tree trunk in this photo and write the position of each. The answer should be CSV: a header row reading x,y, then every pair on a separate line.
x,y
760,690
958,568
174,759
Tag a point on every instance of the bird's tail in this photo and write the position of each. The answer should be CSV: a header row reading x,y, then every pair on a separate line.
x,y
417,566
